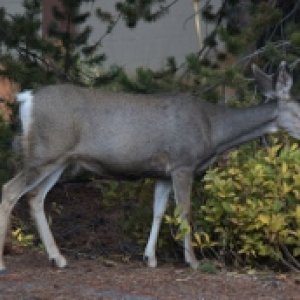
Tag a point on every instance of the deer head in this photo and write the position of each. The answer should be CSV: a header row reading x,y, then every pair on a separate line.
x,y
277,87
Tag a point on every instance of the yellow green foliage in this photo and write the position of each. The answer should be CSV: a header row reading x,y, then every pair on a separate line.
x,y
23,238
182,226
253,204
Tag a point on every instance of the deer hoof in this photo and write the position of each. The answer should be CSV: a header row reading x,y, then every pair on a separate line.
x,y
194,264
58,261
151,261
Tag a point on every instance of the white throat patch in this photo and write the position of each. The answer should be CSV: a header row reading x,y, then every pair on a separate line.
x,y
25,111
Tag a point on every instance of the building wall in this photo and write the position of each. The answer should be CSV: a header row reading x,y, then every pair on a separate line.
x,y
12,6
149,44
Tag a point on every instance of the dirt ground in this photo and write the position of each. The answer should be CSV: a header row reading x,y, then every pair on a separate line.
x,y
93,274
31,278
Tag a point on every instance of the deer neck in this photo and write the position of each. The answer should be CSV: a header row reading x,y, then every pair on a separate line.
x,y
288,118
236,126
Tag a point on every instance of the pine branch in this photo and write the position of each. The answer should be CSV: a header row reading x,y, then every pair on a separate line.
x,y
167,7
279,44
205,45
286,17
133,11
24,51
109,30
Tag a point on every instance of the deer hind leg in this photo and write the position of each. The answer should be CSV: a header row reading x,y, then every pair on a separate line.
x,y
161,196
182,184
37,211
12,191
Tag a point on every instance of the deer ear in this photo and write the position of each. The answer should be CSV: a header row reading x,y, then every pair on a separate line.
x,y
264,81
283,81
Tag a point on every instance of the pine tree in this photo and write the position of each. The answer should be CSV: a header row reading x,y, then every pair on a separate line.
x,y
22,47
264,32
39,61
250,30
148,10
65,29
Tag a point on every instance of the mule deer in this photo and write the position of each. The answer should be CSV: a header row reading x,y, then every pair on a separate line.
x,y
169,138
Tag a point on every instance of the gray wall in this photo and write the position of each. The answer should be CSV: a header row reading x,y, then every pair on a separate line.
x,y
12,6
149,44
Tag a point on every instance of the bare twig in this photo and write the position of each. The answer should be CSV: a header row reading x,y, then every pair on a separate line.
x,y
109,30
24,51
165,8
289,265
112,26
279,44
290,256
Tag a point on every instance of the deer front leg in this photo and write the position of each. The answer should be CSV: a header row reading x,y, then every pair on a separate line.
x,y
161,195
182,185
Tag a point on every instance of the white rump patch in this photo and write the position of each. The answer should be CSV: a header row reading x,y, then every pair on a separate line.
x,y
25,99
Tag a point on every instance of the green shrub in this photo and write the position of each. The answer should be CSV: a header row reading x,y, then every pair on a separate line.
x,y
295,39
253,206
